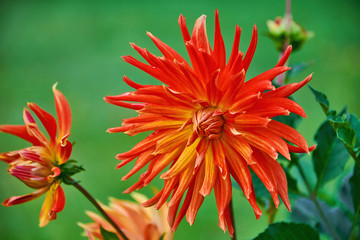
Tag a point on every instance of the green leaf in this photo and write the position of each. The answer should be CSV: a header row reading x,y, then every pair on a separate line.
x,y
342,126
346,135
345,194
355,192
285,231
304,210
108,235
344,130
355,188
330,155
321,99
355,124
293,189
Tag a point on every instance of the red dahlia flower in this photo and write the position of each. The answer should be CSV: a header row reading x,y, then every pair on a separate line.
x,y
208,124
39,166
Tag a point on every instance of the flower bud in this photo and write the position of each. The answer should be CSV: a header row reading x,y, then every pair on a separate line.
x,y
296,35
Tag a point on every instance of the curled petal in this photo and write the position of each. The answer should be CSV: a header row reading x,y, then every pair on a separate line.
x,y
46,119
65,152
251,50
21,132
285,57
187,156
63,112
199,36
287,90
24,198
295,149
54,202
33,128
9,156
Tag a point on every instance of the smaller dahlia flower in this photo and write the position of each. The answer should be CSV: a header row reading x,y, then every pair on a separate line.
x,y
136,222
40,165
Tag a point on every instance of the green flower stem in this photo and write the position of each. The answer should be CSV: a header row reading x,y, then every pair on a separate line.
x,y
271,213
231,209
97,206
352,154
312,197
355,228
287,18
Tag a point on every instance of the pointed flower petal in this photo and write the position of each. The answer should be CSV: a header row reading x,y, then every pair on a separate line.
x,y
209,124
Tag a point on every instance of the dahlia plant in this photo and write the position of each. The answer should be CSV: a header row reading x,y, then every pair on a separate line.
x,y
208,127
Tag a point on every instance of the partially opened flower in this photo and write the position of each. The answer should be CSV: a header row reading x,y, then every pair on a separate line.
x,y
39,166
136,222
208,124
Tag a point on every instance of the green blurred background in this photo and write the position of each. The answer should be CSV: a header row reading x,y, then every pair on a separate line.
x,y
79,43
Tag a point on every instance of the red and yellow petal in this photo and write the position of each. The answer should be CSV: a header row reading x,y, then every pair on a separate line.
x,y
24,198
21,132
8,157
33,128
209,124
47,120
63,113
54,202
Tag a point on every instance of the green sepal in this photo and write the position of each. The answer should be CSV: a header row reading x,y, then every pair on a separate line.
x,y
68,169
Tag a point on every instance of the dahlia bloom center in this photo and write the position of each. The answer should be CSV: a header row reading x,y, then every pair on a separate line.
x,y
208,122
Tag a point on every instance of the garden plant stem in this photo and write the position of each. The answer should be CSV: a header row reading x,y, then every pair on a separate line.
x,y
98,207
231,209
287,18
312,197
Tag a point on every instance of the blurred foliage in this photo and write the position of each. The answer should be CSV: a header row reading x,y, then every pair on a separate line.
x,y
79,43
284,231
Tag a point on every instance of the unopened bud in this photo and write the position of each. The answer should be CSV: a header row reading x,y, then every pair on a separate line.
x,y
295,34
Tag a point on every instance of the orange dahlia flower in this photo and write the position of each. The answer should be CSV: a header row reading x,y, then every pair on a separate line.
x,y
136,222
208,124
39,166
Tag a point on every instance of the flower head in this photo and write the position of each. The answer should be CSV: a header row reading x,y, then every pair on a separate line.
x,y
136,222
39,166
278,31
208,124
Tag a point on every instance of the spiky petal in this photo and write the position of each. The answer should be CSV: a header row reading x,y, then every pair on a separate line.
x,y
209,124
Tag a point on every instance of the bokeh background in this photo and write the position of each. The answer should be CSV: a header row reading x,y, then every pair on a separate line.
x,y
79,43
